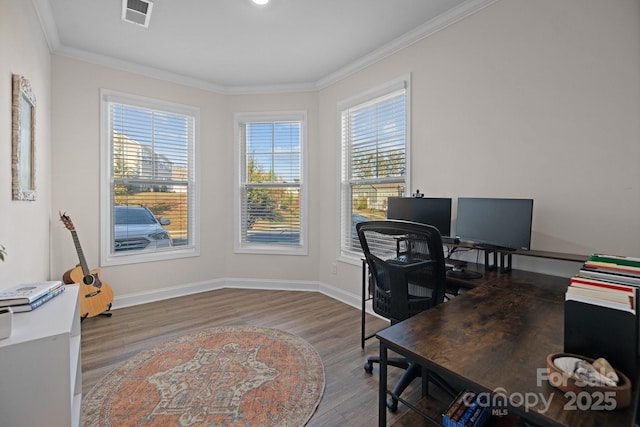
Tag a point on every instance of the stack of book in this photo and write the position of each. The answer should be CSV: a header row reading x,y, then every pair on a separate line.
x,y
467,410
608,281
613,268
29,296
601,307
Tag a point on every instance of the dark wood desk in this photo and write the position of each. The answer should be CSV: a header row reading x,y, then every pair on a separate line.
x,y
495,338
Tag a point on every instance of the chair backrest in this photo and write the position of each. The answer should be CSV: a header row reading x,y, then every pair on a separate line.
x,y
402,256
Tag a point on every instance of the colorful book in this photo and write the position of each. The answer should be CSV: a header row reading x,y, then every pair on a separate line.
x,y
468,399
606,287
26,293
616,259
611,277
457,408
468,413
609,264
603,284
452,408
613,268
481,412
37,303
625,298
614,263
599,302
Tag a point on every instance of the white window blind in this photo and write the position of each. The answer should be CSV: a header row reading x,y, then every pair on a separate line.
x,y
271,207
374,139
151,175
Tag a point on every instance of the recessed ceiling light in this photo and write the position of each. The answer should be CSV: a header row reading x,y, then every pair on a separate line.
x,y
261,2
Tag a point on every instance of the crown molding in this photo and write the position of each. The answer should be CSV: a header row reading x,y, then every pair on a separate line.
x,y
181,79
48,24
133,67
43,10
425,30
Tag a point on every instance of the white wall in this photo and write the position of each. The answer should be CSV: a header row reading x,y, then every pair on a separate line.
x,y
24,226
523,99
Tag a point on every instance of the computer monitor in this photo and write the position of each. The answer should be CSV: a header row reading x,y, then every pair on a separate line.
x,y
501,223
434,211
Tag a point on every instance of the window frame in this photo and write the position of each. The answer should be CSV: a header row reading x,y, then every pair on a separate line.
x,y
108,257
403,82
265,248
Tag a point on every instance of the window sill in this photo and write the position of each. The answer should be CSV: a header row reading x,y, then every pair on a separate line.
x,y
141,256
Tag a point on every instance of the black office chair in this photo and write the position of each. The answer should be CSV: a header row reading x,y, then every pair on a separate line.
x,y
407,268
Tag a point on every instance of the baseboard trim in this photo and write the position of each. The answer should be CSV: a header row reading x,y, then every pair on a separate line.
x,y
128,300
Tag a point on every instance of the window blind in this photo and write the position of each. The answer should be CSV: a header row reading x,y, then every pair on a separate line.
x,y
374,161
271,184
152,166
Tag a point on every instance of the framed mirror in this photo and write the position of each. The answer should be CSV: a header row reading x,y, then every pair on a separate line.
x,y
23,165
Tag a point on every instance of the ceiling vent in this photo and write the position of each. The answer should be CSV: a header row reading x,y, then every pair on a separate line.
x,y
137,12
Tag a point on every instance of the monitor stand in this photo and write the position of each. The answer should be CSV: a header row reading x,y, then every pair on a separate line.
x,y
461,273
495,260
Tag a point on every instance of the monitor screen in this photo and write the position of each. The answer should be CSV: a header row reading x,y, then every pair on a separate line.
x,y
434,211
504,223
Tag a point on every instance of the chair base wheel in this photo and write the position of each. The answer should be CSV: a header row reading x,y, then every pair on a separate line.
x,y
368,367
392,404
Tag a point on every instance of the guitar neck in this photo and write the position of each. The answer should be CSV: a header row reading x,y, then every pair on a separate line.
x,y
83,261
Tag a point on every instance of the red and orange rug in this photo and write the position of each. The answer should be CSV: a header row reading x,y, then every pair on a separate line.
x,y
223,376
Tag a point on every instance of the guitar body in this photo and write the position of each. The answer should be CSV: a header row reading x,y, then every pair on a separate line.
x,y
95,295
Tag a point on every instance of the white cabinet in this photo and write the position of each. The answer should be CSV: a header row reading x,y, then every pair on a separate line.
x,y
40,370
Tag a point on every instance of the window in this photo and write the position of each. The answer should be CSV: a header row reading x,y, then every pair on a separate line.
x,y
375,148
148,179
271,195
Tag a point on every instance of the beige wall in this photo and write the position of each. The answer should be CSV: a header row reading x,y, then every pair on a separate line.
x,y
76,128
292,268
76,141
523,99
535,99
24,226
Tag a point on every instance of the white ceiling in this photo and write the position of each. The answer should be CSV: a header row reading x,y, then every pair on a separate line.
x,y
235,46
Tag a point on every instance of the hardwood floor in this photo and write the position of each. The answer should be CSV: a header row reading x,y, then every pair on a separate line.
x,y
333,328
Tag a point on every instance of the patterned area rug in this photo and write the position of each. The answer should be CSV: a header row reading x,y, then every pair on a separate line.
x,y
224,376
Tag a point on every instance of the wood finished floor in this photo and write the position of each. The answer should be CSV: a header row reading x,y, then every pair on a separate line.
x,y
333,328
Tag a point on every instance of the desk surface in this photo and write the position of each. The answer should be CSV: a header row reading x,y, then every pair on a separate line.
x,y
496,337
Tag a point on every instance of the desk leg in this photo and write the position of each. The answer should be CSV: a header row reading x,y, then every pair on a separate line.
x,y
382,392
364,295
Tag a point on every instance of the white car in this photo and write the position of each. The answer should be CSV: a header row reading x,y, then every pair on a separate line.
x,y
136,227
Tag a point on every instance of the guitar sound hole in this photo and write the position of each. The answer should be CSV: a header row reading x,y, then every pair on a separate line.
x,y
89,280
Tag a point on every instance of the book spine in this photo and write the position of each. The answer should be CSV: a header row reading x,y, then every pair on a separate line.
x,y
614,268
602,284
589,287
451,409
612,277
457,407
616,259
476,414
468,413
467,401
26,293
37,303
602,303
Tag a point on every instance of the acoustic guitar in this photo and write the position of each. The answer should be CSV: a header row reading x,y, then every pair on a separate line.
x,y
96,296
